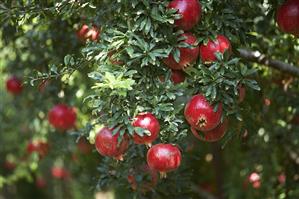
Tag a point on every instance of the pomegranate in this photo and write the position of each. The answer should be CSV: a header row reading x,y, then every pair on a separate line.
x,y
107,144
143,186
38,146
85,33
62,117
281,178
255,180
14,85
207,52
164,158
59,172
190,11
187,55
200,114
148,122
212,135
84,146
287,17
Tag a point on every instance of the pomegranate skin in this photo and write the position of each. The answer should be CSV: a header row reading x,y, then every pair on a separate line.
x,y
207,52
187,55
38,146
40,182
214,135
85,33
107,144
60,172
287,17
149,122
164,157
190,11
177,76
200,114
14,85
62,117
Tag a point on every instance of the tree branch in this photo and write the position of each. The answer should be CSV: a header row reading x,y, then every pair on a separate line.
x,y
202,193
256,56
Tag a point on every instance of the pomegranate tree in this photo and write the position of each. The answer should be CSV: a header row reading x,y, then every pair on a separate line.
x,y
187,55
107,144
164,158
200,114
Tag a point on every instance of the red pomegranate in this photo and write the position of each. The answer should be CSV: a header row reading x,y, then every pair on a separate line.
x,y
84,146
107,144
59,172
164,158
213,135
40,182
207,52
38,146
148,122
255,180
62,117
187,55
200,114
85,33
14,85
145,185
190,11
287,17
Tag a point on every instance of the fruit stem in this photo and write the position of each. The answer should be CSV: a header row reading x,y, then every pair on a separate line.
x,y
163,175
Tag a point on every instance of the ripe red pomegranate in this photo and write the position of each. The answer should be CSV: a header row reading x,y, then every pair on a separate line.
x,y
149,122
200,114
84,146
164,158
207,52
187,55
107,144
38,146
85,33
212,135
145,185
59,172
190,11
287,17
62,117
14,85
